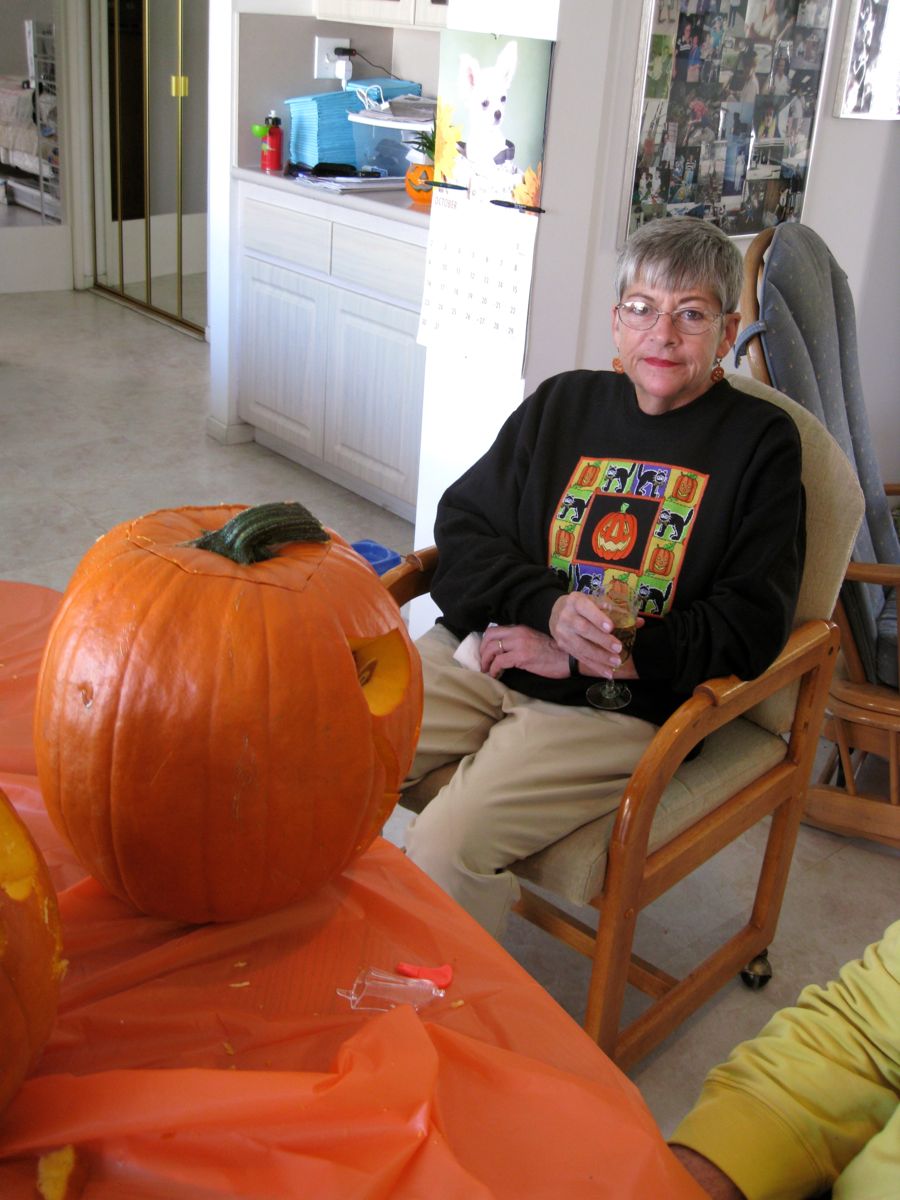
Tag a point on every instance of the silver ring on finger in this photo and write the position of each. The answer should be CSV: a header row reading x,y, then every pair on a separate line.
x,y
500,644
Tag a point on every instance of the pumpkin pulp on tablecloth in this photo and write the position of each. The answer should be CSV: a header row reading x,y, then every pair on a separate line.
x,y
31,964
223,719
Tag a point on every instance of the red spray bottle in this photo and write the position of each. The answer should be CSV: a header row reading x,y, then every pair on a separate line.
x,y
272,140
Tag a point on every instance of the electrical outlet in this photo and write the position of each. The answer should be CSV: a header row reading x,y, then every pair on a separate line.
x,y
326,60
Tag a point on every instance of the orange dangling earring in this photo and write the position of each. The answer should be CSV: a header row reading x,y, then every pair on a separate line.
x,y
718,372
618,366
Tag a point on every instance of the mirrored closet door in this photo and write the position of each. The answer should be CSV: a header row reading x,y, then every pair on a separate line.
x,y
149,73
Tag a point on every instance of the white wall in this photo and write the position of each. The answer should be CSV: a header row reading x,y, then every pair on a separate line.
x,y
851,202
13,14
39,257
854,179
587,127
276,63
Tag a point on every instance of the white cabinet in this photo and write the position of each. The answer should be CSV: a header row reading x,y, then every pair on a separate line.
x,y
370,12
430,14
373,406
330,371
284,320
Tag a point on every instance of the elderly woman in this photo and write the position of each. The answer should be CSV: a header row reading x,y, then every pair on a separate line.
x,y
658,477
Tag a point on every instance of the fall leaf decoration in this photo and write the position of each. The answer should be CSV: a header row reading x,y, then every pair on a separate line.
x,y
447,137
528,192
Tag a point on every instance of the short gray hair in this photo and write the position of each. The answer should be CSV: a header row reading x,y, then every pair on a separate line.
x,y
676,253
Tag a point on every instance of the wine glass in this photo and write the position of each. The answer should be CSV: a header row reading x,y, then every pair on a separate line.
x,y
623,606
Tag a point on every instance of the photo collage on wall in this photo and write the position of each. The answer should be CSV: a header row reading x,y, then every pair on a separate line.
x,y
728,107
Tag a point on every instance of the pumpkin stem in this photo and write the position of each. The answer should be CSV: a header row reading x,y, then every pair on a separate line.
x,y
255,534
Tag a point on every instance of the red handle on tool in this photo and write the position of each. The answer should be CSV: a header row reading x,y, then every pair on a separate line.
x,y
441,977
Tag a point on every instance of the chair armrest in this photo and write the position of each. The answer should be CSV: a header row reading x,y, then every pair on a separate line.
x,y
413,576
892,489
886,574
809,655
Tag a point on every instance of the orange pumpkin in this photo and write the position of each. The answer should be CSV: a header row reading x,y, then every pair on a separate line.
x,y
685,488
565,542
419,182
662,560
223,720
31,964
616,534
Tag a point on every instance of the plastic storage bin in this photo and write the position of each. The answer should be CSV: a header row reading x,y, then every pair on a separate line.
x,y
381,141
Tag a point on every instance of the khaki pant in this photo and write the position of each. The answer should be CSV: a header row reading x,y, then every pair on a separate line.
x,y
529,772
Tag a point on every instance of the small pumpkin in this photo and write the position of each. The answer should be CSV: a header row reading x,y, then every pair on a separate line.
x,y
565,541
31,964
616,534
662,560
419,177
419,182
227,705
685,488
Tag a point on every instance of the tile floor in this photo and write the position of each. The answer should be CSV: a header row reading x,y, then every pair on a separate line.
x,y
102,418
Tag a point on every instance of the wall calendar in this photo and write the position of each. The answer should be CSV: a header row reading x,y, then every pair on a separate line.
x,y
478,277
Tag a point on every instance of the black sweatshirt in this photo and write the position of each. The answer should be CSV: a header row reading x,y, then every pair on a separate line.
x,y
701,508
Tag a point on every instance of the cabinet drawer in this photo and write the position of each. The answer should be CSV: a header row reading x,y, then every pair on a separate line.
x,y
375,12
379,264
299,239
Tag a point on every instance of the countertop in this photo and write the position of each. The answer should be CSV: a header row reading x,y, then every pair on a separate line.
x,y
394,205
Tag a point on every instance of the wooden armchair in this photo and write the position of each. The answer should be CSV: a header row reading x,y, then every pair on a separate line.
x,y
761,738
799,332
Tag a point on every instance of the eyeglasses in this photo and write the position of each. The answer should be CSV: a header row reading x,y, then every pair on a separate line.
x,y
638,315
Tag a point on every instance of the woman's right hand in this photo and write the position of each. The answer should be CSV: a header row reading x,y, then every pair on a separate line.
x,y
582,627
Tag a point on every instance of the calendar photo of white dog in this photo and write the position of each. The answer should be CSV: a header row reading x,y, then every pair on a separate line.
x,y
486,90
492,101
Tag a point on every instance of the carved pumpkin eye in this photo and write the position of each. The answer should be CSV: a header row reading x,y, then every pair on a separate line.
x,y
382,666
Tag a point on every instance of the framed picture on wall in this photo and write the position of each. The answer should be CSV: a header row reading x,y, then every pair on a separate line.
x,y
723,119
870,70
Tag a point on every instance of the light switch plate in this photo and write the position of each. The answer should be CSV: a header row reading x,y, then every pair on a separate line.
x,y
326,61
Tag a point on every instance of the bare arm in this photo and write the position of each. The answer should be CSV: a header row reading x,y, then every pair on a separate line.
x,y
715,1182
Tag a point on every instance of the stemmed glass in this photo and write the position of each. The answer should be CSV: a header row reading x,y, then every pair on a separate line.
x,y
623,607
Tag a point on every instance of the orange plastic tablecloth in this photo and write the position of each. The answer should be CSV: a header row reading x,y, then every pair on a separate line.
x,y
219,1061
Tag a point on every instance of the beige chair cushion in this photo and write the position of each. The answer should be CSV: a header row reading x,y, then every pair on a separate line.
x,y
834,510
732,757
573,868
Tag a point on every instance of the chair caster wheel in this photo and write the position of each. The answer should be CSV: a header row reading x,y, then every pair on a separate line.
x,y
757,972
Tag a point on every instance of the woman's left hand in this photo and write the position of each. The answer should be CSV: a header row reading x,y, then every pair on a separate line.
x,y
505,646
